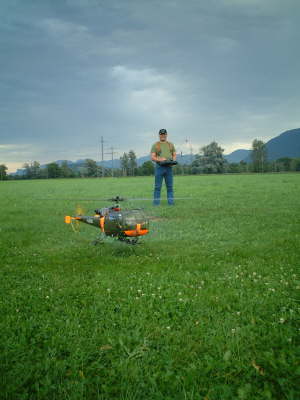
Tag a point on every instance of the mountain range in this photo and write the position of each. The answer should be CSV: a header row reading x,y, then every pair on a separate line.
x,y
286,144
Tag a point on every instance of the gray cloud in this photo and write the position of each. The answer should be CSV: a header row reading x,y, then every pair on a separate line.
x,y
73,71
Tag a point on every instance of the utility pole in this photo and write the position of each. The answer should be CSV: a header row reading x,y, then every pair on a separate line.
x,y
191,149
102,156
181,159
112,152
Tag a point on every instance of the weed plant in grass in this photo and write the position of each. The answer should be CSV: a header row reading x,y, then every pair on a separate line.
x,y
207,307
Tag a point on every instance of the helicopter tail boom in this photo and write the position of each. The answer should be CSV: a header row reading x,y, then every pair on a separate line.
x,y
69,219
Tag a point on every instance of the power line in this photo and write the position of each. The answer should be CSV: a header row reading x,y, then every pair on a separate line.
x,y
112,153
102,156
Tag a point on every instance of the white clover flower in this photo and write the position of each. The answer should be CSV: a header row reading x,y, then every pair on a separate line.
x,y
282,320
232,330
238,313
168,327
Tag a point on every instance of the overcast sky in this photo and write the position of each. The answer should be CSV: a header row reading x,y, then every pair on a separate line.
x,y
72,71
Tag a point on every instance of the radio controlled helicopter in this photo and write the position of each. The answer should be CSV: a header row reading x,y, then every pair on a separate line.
x,y
124,225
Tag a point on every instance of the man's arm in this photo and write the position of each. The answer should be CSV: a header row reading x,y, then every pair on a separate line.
x,y
174,153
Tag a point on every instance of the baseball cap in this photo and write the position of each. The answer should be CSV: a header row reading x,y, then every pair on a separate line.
x,y
162,132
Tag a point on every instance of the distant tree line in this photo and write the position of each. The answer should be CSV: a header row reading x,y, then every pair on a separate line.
x,y
87,169
209,160
3,172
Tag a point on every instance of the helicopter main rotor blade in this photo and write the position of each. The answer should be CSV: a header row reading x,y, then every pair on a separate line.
x,y
151,199
112,199
115,199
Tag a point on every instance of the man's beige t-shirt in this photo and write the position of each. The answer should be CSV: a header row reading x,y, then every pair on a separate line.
x,y
166,149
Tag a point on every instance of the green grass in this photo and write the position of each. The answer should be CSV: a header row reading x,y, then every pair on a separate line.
x,y
207,307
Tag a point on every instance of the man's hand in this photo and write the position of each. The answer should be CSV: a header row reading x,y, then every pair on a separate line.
x,y
156,158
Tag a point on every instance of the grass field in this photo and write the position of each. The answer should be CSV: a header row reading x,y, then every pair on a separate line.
x,y
207,307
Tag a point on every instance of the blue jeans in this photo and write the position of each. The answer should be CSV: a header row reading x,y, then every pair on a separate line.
x,y
161,173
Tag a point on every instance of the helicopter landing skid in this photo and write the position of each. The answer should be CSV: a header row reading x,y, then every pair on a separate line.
x,y
98,240
128,240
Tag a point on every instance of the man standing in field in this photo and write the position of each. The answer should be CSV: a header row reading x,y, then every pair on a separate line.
x,y
163,153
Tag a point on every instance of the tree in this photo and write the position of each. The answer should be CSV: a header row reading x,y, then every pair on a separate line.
x,y
132,164
91,167
36,169
32,170
147,168
195,170
295,164
125,164
3,174
28,170
210,160
243,166
259,155
53,170
233,168
284,163
66,171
